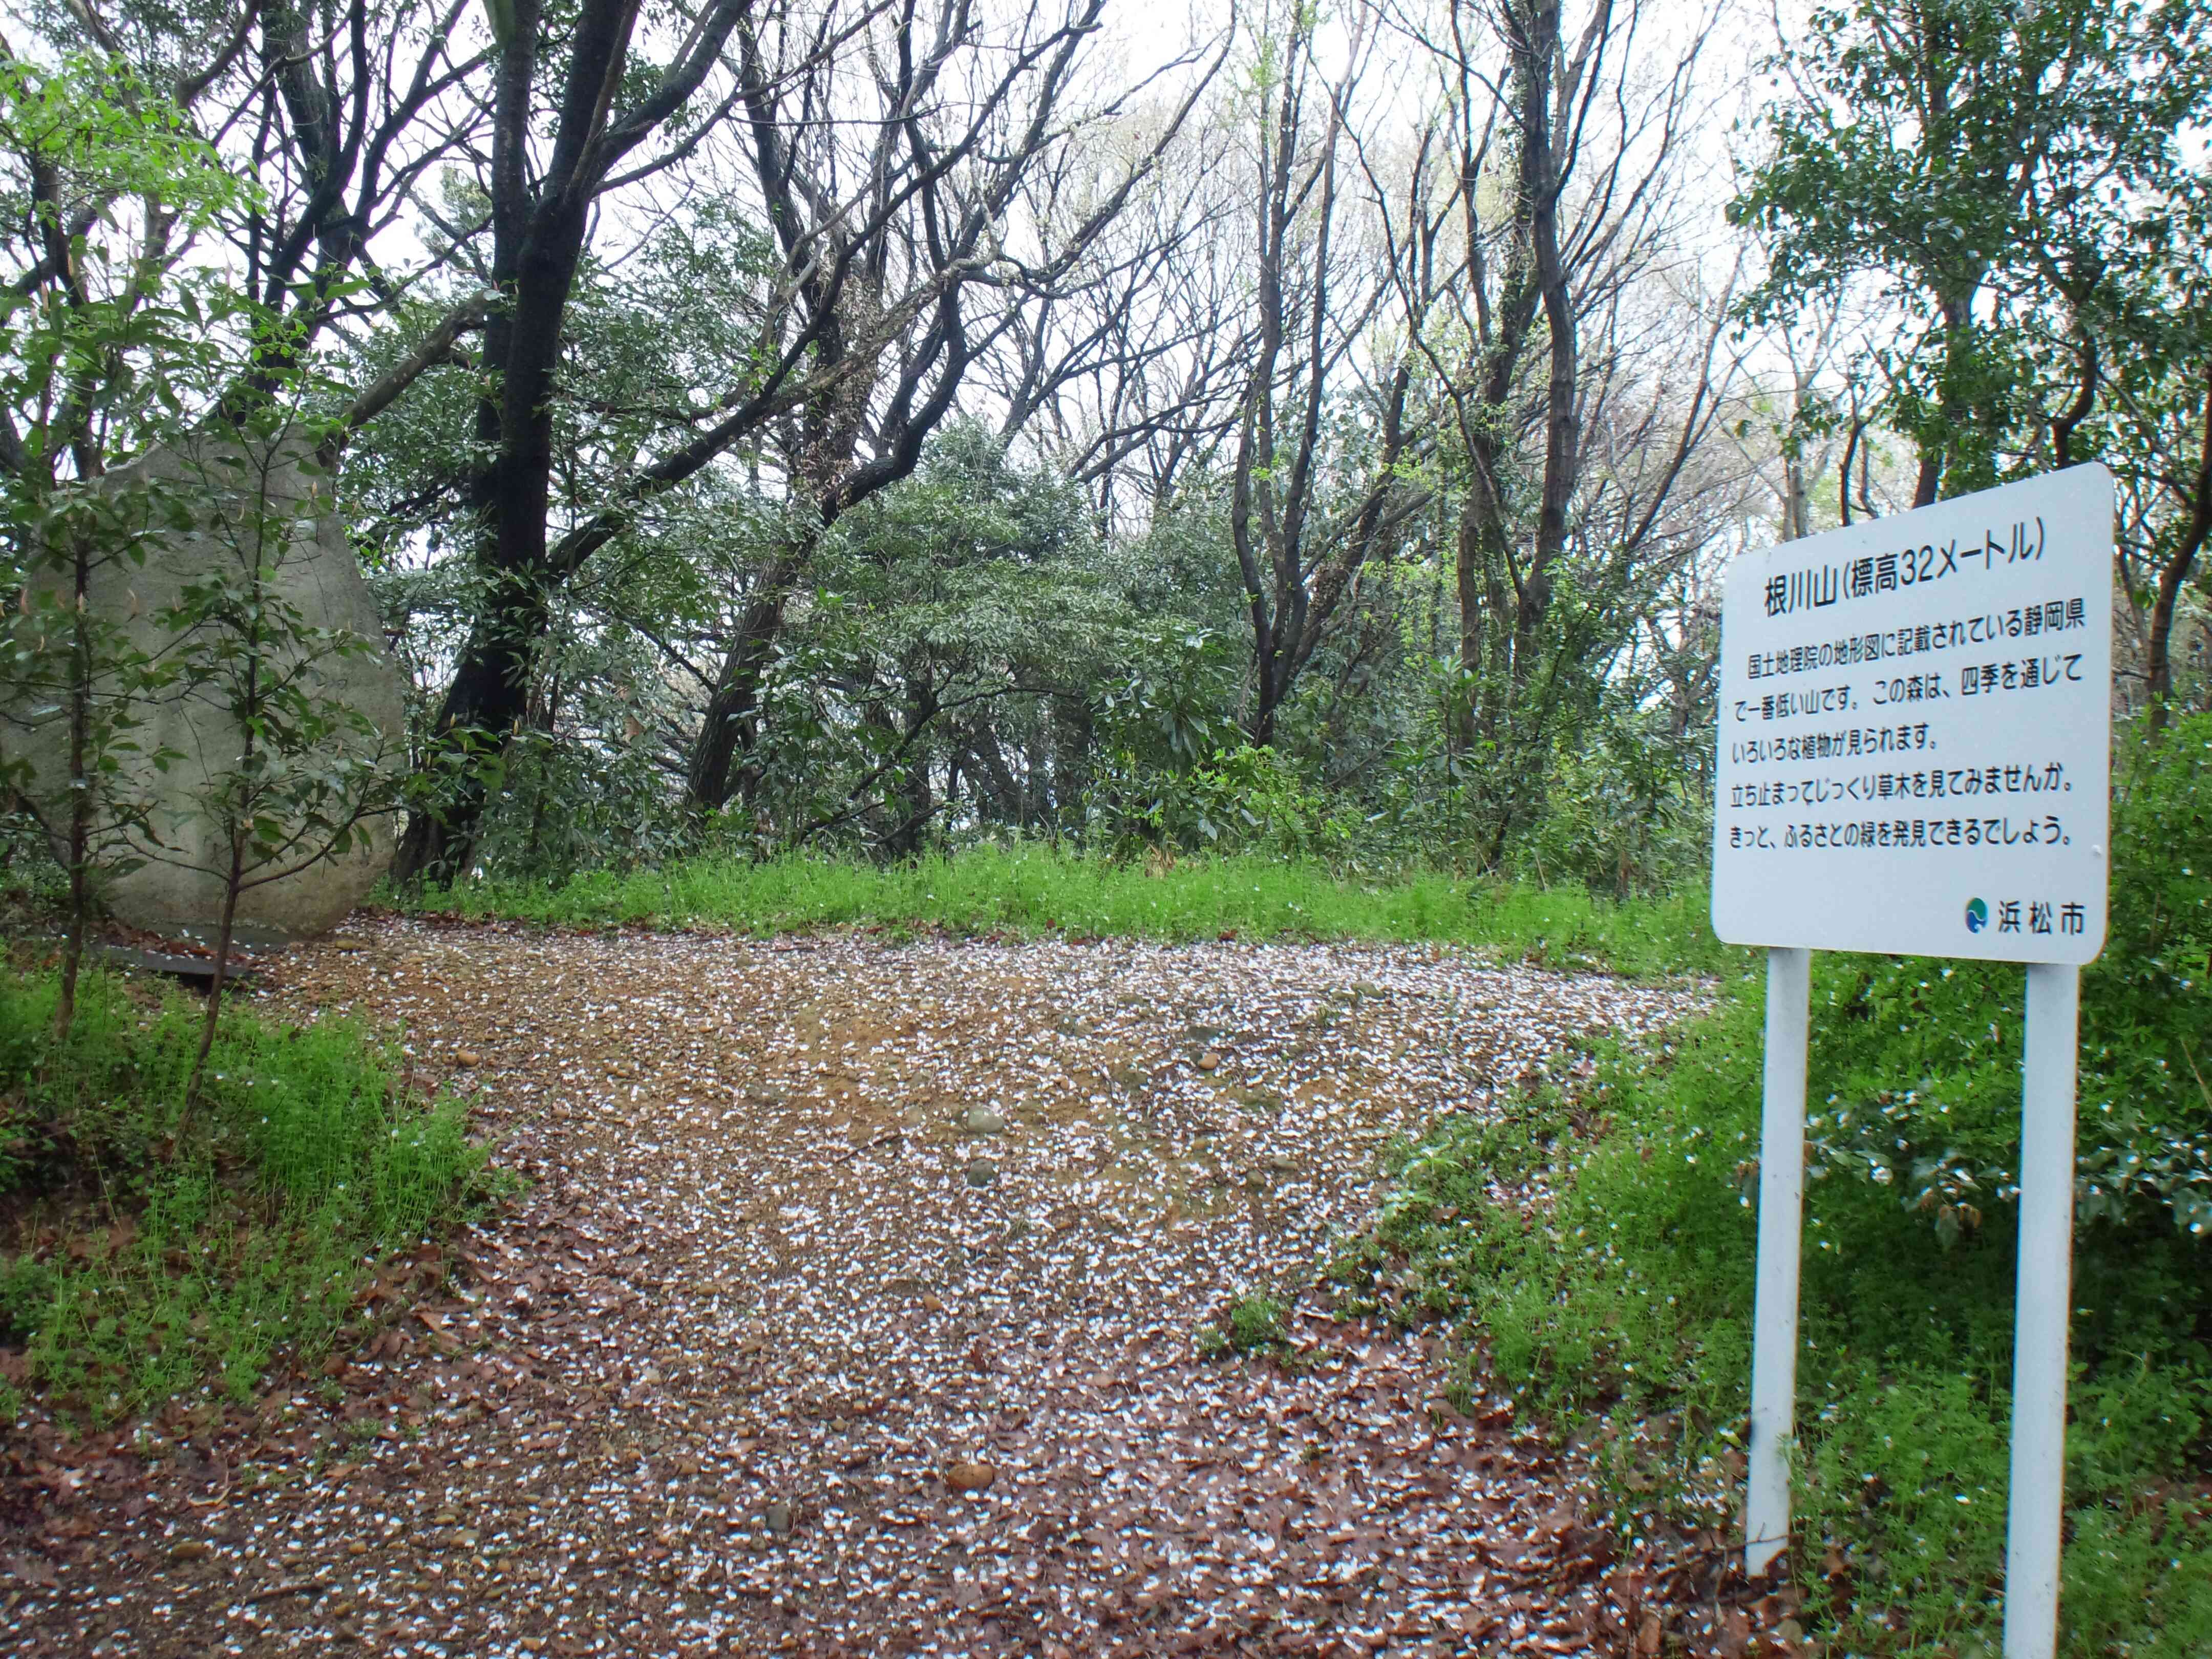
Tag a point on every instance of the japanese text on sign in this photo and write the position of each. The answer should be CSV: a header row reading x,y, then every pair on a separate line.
x,y
1914,743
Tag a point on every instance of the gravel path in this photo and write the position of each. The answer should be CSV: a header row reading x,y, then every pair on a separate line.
x,y
821,1232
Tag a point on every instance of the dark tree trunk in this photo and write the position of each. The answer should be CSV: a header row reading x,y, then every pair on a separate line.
x,y
2173,574
80,793
1005,792
731,724
489,700
915,796
1562,392
540,220
1935,458
1074,740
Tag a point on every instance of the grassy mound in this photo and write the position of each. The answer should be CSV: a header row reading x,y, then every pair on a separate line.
x,y
146,1252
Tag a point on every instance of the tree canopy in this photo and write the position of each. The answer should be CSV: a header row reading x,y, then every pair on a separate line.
x,y
839,424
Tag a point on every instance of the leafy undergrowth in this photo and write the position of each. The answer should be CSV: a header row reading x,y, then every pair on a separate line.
x,y
1600,1252
1037,889
147,1253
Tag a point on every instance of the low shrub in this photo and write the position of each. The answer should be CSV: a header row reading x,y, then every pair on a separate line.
x,y
1256,1323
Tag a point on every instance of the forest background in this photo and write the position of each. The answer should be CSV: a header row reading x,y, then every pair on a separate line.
x,y
864,430
1307,438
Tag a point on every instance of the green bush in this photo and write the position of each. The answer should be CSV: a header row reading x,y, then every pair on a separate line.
x,y
1622,809
154,1251
1253,800
1617,1296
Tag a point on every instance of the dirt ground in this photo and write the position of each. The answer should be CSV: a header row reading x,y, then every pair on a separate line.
x,y
851,1308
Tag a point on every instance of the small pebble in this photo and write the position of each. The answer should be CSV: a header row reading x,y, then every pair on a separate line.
x,y
969,1477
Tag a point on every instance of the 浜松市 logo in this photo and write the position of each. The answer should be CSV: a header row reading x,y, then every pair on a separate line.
x,y
1978,915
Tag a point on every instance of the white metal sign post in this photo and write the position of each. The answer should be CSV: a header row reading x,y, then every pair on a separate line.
x,y
1915,759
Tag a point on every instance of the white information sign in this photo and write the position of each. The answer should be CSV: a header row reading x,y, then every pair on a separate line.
x,y
1914,731
1915,751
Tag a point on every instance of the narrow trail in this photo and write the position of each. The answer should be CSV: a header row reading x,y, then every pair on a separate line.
x,y
821,1230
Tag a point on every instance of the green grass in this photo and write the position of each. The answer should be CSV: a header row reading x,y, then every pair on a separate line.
x,y
149,1254
1035,890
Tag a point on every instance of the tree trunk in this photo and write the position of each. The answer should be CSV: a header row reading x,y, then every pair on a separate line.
x,y
1485,556
242,816
997,777
488,702
488,699
1484,561
1073,741
915,792
2173,576
1260,729
1562,408
731,725
225,932
1958,322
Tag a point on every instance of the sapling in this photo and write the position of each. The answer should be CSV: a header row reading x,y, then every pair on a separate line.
x,y
105,347
310,771
74,679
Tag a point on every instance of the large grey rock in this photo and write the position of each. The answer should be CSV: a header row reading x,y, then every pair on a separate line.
x,y
236,498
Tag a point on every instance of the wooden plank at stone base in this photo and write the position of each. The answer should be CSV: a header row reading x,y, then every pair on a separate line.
x,y
178,964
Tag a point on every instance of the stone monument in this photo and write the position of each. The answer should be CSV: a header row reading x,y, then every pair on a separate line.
x,y
225,500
